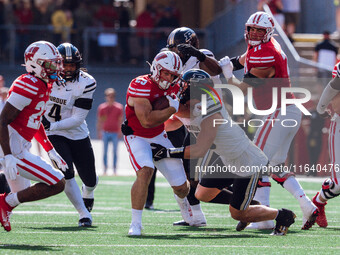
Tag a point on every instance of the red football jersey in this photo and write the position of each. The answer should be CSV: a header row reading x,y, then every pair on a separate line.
x,y
30,95
336,70
268,55
144,87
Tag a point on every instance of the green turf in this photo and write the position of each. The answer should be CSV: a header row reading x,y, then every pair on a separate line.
x,y
50,226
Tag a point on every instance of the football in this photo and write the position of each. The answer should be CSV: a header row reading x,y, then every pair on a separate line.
x,y
160,103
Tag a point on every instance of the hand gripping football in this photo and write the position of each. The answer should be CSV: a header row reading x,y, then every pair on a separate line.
x,y
160,103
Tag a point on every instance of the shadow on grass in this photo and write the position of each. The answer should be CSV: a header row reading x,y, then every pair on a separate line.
x,y
63,228
188,236
27,247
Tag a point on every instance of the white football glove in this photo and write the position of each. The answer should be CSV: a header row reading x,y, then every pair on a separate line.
x,y
173,102
227,67
57,160
10,165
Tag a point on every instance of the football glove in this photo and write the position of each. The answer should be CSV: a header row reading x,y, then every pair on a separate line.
x,y
57,160
159,152
45,123
227,67
126,129
173,102
10,165
189,50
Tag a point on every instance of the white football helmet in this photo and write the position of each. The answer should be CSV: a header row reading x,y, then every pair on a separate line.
x,y
169,61
259,20
43,60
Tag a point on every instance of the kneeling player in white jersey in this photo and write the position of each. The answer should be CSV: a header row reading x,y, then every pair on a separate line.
x,y
19,123
231,144
65,125
265,69
331,187
144,126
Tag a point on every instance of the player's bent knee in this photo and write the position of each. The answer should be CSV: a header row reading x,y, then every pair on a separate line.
x,y
237,214
206,194
59,186
182,190
280,178
145,174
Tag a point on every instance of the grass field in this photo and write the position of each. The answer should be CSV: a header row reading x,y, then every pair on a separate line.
x,y
50,227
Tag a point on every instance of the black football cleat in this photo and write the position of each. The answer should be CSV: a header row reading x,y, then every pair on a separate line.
x,y
284,219
180,223
85,222
88,203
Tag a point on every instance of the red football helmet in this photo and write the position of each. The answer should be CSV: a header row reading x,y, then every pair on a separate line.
x,y
259,20
169,61
43,60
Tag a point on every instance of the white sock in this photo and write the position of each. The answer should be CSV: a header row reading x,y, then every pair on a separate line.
x,y
262,195
196,208
179,200
136,216
294,188
12,199
73,193
88,192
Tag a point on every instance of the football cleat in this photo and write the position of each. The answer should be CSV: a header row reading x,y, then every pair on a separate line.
x,y
5,212
321,220
268,224
310,213
149,206
85,222
185,209
241,225
198,219
180,223
307,224
88,203
284,219
135,229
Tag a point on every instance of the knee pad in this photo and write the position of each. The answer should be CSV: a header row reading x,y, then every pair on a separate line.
x,y
261,184
281,176
330,189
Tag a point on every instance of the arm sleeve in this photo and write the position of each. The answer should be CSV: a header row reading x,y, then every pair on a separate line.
x,y
77,118
41,137
326,97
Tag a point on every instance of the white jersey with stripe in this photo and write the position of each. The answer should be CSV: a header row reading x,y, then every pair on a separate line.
x,y
65,100
230,141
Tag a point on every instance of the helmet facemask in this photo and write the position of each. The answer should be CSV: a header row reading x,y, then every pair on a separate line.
x,y
259,20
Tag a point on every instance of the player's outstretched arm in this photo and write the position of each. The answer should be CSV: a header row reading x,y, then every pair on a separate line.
x,y
329,92
8,114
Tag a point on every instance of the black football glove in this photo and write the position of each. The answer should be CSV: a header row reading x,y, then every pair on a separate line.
x,y
126,129
189,50
45,123
159,152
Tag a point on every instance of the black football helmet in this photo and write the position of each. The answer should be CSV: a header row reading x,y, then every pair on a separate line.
x,y
194,83
182,35
71,55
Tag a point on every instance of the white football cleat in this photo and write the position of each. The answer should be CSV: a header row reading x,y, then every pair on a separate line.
x,y
198,220
268,224
310,213
135,229
185,209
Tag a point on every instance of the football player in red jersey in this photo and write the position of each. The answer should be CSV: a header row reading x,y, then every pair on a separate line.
x,y
265,67
144,126
20,122
331,186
